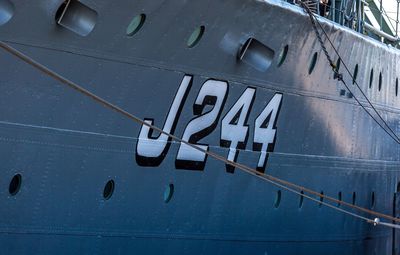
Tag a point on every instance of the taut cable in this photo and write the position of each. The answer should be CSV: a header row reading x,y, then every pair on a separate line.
x,y
286,185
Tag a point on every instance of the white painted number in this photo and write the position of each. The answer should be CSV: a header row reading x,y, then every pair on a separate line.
x,y
234,129
265,130
212,93
152,148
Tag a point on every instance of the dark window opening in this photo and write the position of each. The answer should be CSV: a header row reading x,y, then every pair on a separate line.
x,y
355,74
277,199
353,201
372,199
339,199
282,55
371,78
301,199
15,185
108,189
313,63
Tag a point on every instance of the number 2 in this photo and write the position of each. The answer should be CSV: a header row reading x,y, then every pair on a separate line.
x,y
212,93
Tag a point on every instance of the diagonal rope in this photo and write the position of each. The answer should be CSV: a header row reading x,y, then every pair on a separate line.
x,y
388,130
286,185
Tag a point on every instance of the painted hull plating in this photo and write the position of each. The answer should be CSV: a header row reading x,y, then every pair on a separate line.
x,y
66,146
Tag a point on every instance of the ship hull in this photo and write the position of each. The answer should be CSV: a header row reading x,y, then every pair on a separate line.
x,y
67,146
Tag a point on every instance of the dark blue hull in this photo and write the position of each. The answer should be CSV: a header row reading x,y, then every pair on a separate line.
x,y
66,147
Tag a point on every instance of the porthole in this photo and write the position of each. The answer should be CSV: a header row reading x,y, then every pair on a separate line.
x,y
282,55
108,189
195,37
313,63
135,25
380,81
6,11
353,200
168,192
397,87
339,199
371,78
277,199
321,199
372,199
15,185
301,199
355,73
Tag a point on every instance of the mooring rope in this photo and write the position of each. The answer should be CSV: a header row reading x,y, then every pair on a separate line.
x,y
286,185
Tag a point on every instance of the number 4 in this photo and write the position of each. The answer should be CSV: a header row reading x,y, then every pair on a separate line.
x,y
234,131
265,130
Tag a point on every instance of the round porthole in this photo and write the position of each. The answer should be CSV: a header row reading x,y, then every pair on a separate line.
x,y
15,185
355,73
136,24
371,78
6,11
195,36
340,199
301,199
313,63
277,199
372,200
353,201
282,55
108,189
168,193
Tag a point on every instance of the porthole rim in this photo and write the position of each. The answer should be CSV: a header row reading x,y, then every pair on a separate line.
x,y
284,51
107,195
313,63
142,20
195,42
